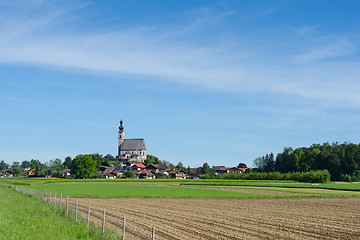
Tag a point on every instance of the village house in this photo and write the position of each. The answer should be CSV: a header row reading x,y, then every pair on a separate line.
x,y
221,170
177,174
147,174
30,173
237,170
153,167
137,167
66,172
109,174
128,165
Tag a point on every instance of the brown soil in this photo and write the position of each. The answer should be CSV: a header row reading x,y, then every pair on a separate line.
x,y
283,218
259,191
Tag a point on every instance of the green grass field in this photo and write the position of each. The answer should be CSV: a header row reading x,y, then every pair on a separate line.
x,y
187,188
25,217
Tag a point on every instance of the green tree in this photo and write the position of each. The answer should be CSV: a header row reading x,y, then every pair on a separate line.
x,y
259,163
67,163
206,169
180,166
25,164
149,160
17,172
56,165
129,174
99,159
83,166
3,165
16,164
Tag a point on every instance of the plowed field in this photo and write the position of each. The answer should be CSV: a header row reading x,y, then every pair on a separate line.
x,y
283,218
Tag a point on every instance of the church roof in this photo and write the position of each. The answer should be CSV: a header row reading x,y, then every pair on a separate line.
x,y
132,144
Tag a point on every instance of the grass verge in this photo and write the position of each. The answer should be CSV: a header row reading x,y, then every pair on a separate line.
x,y
25,217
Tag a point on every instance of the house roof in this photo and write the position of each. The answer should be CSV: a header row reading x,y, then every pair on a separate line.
x,y
223,168
139,165
132,145
147,173
156,166
177,172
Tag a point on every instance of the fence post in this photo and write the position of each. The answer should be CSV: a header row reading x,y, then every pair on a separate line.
x,y
67,206
153,233
123,237
76,208
49,197
88,216
103,224
55,200
45,199
60,199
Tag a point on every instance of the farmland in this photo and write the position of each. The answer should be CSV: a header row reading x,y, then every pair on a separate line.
x,y
211,218
196,209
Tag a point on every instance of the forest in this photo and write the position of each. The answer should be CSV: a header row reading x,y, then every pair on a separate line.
x,y
341,160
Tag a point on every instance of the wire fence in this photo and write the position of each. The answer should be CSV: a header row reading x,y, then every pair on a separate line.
x,y
72,207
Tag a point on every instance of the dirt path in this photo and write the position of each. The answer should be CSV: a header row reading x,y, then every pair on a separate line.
x,y
285,218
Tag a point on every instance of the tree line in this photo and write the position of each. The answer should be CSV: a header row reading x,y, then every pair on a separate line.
x,y
341,160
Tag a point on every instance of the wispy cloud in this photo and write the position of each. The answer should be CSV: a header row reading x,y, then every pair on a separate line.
x,y
317,71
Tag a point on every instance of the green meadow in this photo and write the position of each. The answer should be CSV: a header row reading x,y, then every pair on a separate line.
x,y
187,188
25,217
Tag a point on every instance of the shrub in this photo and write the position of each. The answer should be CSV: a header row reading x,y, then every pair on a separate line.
x,y
318,176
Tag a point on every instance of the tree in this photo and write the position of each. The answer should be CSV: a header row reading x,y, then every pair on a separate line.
x,y
259,163
269,163
129,174
16,164
180,166
99,160
25,164
3,165
242,165
83,166
206,169
164,164
17,172
68,163
34,163
149,160
56,165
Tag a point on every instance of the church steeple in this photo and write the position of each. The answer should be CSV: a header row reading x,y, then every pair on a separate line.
x,y
121,133
121,128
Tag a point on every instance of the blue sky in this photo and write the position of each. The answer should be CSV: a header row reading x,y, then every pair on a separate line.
x,y
221,82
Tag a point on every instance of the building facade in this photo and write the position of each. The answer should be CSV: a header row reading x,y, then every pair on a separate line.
x,y
130,149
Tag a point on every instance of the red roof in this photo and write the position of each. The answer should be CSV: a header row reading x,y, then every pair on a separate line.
x,y
139,165
176,171
224,168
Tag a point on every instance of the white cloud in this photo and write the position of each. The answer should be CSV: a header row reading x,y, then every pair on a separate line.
x,y
306,71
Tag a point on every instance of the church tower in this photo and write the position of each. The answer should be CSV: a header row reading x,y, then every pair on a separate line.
x,y
121,133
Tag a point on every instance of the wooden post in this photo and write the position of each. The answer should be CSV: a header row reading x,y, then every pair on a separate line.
x,y
49,197
123,237
153,233
55,200
103,223
45,196
76,208
88,216
60,199
67,206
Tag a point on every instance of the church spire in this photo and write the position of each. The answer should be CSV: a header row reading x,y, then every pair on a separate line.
x,y
121,128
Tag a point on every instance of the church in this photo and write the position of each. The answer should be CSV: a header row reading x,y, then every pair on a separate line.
x,y
130,149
